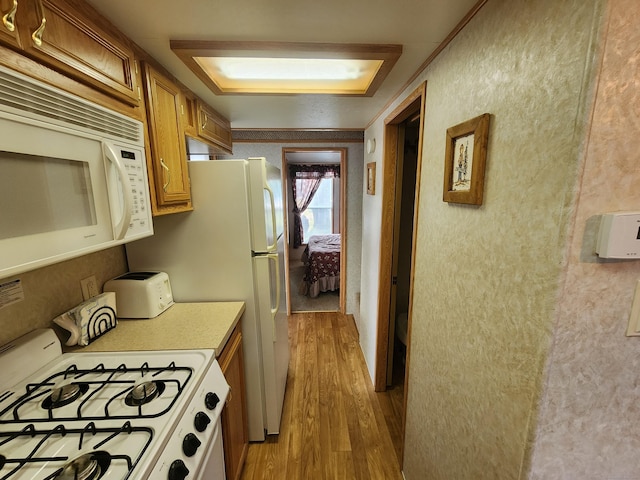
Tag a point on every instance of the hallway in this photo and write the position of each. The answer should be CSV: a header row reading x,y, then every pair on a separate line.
x,y
333,423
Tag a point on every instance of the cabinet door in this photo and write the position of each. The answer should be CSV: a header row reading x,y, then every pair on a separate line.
x,y
9,27
189,113
65,35
234,416
213,128
168,150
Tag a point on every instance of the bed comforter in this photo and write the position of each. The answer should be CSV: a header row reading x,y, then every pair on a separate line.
x,y
322,261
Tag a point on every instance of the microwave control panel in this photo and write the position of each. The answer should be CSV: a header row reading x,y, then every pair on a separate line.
x,y
134,164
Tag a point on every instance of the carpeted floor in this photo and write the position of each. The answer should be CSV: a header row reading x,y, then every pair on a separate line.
x,y
325,302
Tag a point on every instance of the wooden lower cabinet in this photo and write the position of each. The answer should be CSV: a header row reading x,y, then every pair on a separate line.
x,y
234,416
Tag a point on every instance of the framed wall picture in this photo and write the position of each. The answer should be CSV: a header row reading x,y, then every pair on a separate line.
x,y
371,178
465,159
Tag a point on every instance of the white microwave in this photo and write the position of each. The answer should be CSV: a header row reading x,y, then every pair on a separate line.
x,y
73,177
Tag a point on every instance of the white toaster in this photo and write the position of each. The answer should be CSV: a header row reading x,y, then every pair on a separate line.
x,y
141,294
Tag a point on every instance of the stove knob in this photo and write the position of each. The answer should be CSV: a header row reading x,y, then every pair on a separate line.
x,y
178,470
190,444
201,421
211,400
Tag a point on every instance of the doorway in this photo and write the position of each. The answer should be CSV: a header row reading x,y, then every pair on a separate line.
x,y
315,283
401,187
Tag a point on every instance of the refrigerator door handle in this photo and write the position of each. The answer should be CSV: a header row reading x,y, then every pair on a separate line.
x,y
273,217
274,309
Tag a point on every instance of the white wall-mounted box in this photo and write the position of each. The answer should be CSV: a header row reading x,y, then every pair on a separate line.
x,y
619,235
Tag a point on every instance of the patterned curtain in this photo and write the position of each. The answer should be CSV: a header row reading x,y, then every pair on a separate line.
x,y
305,181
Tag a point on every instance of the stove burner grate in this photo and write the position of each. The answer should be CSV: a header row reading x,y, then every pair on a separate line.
x,y
85,466
90,383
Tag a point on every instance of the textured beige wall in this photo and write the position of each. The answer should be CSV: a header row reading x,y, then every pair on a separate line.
x,y
588,426
487,278
52,290
371,221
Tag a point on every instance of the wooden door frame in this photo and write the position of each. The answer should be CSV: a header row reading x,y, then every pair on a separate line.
x,y
414,102
343,217
393,292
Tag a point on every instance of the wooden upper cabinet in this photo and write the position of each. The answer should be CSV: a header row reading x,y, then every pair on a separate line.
x,y
212,127
189,114
207,133
9,28
166,137
71,37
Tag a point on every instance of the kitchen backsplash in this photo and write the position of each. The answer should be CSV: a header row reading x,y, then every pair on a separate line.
x,y
52,290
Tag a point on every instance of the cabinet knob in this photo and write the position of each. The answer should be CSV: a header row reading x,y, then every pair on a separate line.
x,y
166,169
9,19
38,32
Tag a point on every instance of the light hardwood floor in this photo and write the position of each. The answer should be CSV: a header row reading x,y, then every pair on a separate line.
x,y
333,424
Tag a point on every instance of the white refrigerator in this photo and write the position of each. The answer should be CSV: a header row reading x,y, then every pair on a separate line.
x,y
231,248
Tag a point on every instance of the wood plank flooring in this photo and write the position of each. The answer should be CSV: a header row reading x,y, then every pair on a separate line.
x,y
333,425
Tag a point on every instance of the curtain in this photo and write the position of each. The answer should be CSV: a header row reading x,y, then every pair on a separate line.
x,y
305,181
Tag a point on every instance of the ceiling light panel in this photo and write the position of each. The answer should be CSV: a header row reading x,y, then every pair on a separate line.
x,y
285,68
290,75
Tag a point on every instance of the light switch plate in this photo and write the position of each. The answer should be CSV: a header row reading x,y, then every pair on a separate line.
x,y
633,330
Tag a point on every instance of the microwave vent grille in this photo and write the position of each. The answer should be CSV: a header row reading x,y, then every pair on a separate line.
x,y
36,99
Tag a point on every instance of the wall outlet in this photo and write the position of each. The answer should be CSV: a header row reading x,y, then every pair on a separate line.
x,y
89,287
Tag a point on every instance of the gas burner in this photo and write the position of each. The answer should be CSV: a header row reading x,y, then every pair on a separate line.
x,y
144,393
90,466
64,395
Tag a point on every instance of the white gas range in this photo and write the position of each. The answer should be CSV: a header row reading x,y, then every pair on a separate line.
x,y
124,415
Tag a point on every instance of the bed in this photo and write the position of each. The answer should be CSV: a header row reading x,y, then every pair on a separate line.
x,y
321,258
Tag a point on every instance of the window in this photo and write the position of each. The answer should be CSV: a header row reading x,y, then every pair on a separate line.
x,y
317,219
307,181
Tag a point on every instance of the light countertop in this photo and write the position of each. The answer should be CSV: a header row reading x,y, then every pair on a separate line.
x,y
183,326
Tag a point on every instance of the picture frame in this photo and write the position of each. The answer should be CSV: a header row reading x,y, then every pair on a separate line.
x,y
371,178
465,161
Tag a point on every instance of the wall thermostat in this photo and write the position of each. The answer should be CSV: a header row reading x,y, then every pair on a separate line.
x,y
619,235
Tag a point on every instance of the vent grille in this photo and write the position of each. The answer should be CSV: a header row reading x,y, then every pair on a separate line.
x,y
40,100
